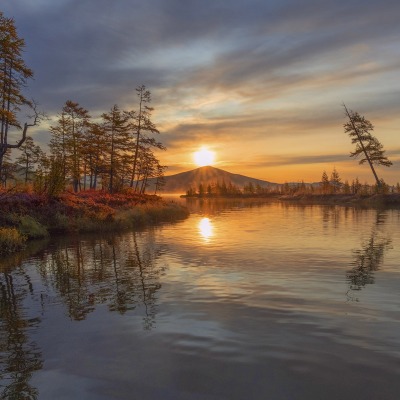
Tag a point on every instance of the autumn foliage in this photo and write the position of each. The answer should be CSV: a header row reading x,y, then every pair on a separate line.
x,y
35,215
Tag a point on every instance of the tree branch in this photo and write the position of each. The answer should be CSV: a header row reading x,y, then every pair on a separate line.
x,y
38,116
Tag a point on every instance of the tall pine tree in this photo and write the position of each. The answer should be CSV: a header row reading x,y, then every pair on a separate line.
x,y
14,75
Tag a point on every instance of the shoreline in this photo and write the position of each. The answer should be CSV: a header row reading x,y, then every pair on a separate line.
x,y
391,200
26,216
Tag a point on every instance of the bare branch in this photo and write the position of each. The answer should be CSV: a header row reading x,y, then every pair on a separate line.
x,y
37,116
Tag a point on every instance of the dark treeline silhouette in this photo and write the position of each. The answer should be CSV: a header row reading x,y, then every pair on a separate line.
x,y
112,153
334,184
327,185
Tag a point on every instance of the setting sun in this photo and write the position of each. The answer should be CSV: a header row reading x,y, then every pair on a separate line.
x,y
204,157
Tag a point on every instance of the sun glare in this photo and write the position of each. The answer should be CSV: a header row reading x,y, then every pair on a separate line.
x,y
204,157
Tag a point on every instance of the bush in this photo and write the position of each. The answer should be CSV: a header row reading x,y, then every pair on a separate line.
x,y
31,228
11,240
59,222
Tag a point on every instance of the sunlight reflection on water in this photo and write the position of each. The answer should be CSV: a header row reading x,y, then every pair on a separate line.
x,y
241,300
205,228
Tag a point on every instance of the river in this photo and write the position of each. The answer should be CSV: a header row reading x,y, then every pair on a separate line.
x,y
242,300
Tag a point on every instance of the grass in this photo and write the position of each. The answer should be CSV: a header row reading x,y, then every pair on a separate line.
x,y
11,240
151,213
34,216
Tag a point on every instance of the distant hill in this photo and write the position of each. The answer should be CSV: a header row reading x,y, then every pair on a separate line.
x,y
180,183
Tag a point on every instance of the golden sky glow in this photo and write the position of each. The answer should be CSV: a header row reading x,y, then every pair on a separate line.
x,y
262,84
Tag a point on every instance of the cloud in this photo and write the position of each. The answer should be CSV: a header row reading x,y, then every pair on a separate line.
x,y
217,70
104,45
252,127
284,160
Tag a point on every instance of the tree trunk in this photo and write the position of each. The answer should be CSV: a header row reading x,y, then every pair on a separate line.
x,y
378,182
137,142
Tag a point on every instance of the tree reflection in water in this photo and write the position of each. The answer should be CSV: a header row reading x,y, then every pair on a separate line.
x,y
19,354
368,259
120,272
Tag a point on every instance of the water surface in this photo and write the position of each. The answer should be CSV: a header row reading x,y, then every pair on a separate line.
x,y
243,300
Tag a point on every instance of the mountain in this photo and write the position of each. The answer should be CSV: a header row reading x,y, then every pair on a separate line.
x,y
180,183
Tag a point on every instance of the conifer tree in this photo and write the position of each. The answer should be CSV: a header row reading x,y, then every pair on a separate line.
x,y
335,181
355,186
144,167
201,190
14,75
115,125
29,157
67,143
223,188
78,121
367,145
346,187
142,127
95,145
8,171
58,142
160,179
325,185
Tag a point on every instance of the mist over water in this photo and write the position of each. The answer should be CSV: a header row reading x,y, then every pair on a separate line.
x,y
243,300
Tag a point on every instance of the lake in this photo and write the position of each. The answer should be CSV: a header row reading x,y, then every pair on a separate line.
x,y
242,300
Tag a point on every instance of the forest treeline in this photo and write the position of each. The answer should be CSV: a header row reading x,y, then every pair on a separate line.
x,y
113,152
332,184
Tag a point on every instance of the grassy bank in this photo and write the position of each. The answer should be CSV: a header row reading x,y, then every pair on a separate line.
x,y
27,215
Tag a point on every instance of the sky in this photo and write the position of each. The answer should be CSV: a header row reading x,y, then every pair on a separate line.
x,y
260,82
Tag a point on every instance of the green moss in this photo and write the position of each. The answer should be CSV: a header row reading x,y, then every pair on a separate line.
x,y
31,228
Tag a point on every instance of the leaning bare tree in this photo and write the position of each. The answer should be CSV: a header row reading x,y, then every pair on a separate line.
x,y
13,77
367,145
